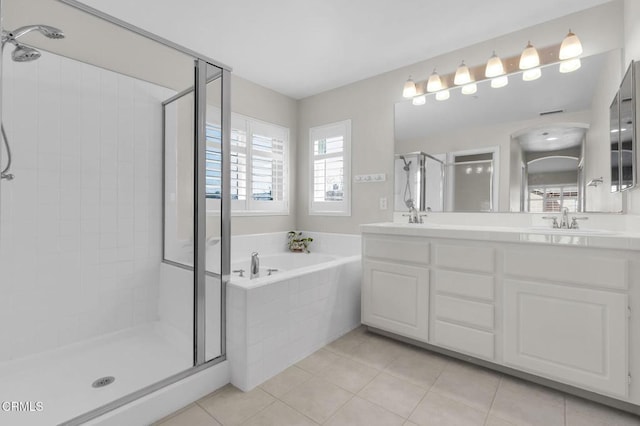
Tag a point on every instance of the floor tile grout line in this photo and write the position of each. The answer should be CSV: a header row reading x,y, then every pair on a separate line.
x,y
297,411
259,411
426,393
493,400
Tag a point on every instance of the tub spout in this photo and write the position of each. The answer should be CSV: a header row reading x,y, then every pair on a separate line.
x,y
255,265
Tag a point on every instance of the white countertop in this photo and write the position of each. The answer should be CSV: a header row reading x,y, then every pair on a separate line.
x,y
574,237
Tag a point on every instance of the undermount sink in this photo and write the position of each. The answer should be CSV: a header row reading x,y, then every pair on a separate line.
x,y
569,232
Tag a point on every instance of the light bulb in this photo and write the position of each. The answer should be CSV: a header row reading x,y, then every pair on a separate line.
x,y
443,95
494,66
570,47
419,100
570,65
434,84
529,57
463,76
469,89
532,74
499,82
409,90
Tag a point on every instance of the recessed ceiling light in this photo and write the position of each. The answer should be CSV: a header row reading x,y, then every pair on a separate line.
x,y
552,138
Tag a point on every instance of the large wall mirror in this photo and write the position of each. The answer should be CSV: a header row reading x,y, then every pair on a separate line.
x,y
551,137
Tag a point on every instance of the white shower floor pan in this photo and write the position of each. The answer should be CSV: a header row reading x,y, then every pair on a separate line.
x,y
55,386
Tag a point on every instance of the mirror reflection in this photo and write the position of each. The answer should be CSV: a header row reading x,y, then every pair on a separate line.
x,y
551,139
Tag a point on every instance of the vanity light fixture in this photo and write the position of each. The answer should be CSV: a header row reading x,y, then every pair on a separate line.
x,y
529,58
409,90
531,74
419,100
570,65
529,63
434,84
469,89
443,95
463,76
494,66
570,47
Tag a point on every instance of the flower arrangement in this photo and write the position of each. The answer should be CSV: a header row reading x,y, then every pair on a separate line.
x,y
297,243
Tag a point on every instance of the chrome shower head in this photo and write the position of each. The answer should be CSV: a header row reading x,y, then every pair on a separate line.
x,y
24,53
407,166
46,30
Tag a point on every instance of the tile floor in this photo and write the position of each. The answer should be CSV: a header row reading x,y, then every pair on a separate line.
x,y
365,379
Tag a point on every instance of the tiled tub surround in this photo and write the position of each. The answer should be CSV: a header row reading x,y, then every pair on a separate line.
x,y
558,307
275,321
81,222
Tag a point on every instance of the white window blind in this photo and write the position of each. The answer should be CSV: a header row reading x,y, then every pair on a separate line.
x,y
330,174
258,169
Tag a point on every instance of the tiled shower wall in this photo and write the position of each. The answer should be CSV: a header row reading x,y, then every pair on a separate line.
x,y
80,225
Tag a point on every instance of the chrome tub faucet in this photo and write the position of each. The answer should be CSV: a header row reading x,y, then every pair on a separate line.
x,y
255,265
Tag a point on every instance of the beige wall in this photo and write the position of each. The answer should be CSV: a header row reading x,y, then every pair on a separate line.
x,y
256,101
369,104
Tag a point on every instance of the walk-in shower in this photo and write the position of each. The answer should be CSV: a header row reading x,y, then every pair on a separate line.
x,y
91,317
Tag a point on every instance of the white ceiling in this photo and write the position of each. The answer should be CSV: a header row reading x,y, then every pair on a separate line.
x,y
304,47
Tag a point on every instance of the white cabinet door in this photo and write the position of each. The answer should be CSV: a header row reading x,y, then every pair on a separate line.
x,y
573,335
396,298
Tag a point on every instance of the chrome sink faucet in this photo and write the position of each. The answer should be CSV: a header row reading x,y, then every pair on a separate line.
x,y
255,265
564,222
414,216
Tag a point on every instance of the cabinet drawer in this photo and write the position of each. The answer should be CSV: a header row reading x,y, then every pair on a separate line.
x,y
466,311
464,339
570,266
412,250
464,284
481,259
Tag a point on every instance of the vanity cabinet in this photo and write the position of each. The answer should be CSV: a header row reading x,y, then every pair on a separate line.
x,y
557,311
566,315
395,285
395,298
570,334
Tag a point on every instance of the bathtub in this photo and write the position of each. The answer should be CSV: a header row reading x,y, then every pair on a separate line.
x,y
274,321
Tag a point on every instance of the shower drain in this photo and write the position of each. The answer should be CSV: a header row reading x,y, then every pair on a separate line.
x,y
103,381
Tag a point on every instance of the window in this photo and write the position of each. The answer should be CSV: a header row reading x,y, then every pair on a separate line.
x,y
259,166
330,169
553,198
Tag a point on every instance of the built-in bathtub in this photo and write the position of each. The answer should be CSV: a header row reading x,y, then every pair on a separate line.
x,y
274,321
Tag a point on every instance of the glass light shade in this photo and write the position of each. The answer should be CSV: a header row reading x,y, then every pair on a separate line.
x,y
443,95
434,84
532,74
499,82
570,65
494,67
469,89
570,47
529,58
409,90
419,100
463,76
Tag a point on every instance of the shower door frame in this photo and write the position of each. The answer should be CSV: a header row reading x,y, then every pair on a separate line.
x,y
201,64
